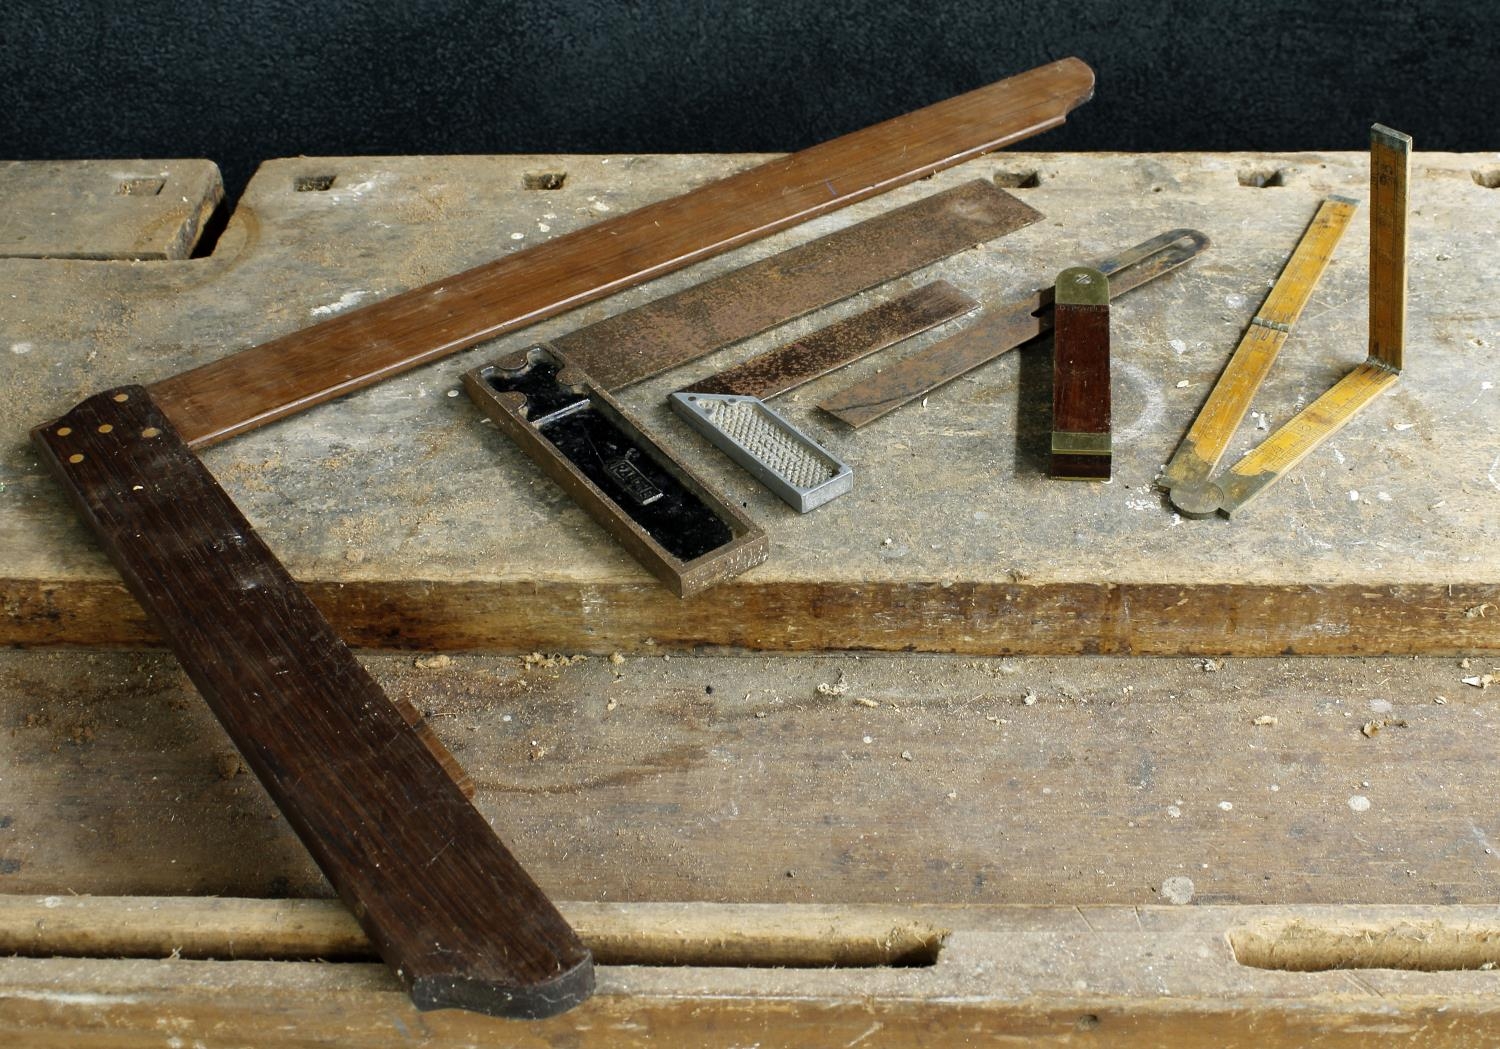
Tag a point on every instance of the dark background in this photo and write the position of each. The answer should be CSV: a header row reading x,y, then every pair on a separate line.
x,y
241,82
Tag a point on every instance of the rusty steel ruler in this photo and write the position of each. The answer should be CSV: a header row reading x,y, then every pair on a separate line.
x,y
1187,477
1001,330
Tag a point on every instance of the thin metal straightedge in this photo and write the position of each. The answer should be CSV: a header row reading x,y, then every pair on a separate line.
x,y
999,331
843,342
723,310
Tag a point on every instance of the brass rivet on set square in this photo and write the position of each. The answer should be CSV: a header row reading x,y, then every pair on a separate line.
x,y
75,458
150,431
63,431
106,427
121,398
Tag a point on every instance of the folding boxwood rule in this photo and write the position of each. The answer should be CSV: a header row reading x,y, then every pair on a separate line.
x,y
1187,477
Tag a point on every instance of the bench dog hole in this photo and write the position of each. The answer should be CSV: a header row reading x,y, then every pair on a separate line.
x,y
1262,178
1299,945
544,179
1028,179
140,187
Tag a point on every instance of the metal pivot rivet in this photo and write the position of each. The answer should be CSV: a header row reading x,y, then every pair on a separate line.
x,y
121,398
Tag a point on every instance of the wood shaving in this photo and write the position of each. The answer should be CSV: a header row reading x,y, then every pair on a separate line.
x,y
1265,721
538,659
1371,728
432,662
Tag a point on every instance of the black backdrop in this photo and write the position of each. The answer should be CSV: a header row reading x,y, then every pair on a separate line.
x,y
242,81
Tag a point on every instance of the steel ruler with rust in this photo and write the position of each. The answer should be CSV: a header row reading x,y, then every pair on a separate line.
x,y
1000,330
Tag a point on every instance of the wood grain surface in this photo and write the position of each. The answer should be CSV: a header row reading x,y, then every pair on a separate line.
x,y
386,507
354,349
450,910
1134,977
129,210
630,780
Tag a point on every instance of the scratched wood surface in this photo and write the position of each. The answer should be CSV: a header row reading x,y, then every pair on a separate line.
x,y
1132,977
773,780
415,524
1129,783
125,210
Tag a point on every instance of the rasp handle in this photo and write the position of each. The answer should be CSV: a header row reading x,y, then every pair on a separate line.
x,y
449,908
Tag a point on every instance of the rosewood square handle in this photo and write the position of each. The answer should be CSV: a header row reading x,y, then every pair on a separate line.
x,y
449,908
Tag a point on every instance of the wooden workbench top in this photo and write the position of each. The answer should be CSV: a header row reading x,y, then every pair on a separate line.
x,y
416,524
1159,821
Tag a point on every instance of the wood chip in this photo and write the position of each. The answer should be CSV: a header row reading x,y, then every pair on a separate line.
x,y
838,688
1371,728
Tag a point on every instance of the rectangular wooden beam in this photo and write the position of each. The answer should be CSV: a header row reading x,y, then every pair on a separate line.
x,y
1230,977
275,379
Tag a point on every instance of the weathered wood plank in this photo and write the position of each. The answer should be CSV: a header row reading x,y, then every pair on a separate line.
x,y
992,618
132,210
632,781
1133,977
978,558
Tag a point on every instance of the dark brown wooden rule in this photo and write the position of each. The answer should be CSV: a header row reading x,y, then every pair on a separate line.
x,y
267,382
1080,376
841,343
717,313
448,907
